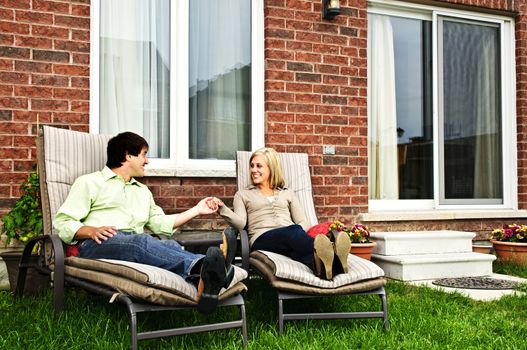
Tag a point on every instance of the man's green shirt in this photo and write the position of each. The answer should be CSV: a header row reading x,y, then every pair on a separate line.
x,y
103,198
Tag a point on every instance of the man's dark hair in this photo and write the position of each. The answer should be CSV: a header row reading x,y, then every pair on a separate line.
x,y
121,145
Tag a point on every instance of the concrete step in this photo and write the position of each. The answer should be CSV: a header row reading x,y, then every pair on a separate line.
x,y
415,267
422,242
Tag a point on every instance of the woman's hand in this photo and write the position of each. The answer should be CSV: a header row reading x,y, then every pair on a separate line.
x,y
207,206
217,202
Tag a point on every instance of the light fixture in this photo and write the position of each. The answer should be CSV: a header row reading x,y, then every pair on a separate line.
x,y
330,8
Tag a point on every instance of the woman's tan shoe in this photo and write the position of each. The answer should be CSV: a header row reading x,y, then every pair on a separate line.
x,y
324,255
342,249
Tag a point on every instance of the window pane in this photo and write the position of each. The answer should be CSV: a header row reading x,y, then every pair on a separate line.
x,y
472,111
401,146
219,78
135,70
413,90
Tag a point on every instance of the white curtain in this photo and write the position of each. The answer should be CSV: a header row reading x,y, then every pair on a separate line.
x,y
134,70
219,78
472,114
384,173
487,163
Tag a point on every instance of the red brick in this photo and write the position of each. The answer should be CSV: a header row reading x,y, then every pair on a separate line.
x,y
14,153
34,17
299,87
80,106
299,46
75,94
7,14
72,22
80,35
12,102
7,90
17,4
70,118
29,66
279,54
14,52
51,32
49,105
81,58
7,39
80,10
71,70
23,165
51,6
33,91
51,80
307,98
72,46
51,56
13,27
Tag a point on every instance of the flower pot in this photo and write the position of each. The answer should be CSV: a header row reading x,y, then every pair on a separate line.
x,y
362,250
484,247
511,252
36,282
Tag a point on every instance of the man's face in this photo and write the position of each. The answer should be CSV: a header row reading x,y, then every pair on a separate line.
x,y
137,163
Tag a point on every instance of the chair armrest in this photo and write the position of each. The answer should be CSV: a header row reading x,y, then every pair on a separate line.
x,y
58,269
245,249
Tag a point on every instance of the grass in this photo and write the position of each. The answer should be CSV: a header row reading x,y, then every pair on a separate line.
x,y
420,318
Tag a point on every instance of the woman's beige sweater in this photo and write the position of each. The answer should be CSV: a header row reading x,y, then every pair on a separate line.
x,y
254,211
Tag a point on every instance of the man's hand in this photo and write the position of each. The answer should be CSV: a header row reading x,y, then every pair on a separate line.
x,y
98,234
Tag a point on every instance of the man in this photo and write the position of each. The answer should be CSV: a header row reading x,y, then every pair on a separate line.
x,y
106,212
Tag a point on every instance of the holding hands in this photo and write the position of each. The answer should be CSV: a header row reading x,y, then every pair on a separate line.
x,y
209,205
215,203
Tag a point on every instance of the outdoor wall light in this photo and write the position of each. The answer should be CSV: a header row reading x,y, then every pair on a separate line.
x,y
330,8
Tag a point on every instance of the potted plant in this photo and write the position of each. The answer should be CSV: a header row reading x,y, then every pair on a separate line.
x,y
510,243
21,223
359,235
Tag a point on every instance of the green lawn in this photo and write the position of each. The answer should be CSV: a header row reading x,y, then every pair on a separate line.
x,y
420,318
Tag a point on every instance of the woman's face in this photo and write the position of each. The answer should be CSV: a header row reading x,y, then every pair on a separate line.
x,y
260,171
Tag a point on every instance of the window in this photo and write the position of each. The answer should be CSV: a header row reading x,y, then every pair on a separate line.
x,y
186,75
441,109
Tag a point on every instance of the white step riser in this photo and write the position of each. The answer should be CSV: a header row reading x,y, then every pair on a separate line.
x,y
427,268
428,242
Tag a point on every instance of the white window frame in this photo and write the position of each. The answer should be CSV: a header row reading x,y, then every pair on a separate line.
x,y
508,85
179,163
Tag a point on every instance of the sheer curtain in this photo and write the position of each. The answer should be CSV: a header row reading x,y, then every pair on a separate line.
x,y
383,178
488,162
134,70
472,110
219,78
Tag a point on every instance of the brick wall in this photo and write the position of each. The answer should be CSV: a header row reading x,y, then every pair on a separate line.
x,y
44,78
315,94
521,100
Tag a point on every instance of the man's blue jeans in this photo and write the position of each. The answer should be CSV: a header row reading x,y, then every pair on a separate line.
x,y
291,241
144,249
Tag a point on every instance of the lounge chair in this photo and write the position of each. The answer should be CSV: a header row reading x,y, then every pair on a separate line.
x,y
62,156
294,280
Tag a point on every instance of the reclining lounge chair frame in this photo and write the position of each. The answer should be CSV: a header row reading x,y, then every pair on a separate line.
x,y
52,261
297,176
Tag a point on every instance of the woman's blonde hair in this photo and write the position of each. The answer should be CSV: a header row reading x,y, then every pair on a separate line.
x,y
272,159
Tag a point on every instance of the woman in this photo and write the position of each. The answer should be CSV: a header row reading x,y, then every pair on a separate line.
x,y
276,222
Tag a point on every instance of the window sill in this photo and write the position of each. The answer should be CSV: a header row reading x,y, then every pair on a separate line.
x,y
176,172
443,215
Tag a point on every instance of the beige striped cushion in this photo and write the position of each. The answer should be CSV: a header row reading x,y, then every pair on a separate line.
x,y
67,155
140,291
288,269
297,177
146,275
